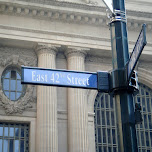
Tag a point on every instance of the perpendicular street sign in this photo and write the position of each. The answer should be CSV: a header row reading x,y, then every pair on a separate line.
x,y
139,46
109,4
62,78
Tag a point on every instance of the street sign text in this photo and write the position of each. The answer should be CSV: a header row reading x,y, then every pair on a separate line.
x,y
62,78
141,42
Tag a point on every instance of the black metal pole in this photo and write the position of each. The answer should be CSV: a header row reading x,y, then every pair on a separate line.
x,y
123,97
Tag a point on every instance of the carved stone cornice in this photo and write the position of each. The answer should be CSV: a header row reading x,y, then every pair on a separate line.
x,y
17,107
53,13
99,59
44,48
17,60
76,51
71,13
81,4
90,2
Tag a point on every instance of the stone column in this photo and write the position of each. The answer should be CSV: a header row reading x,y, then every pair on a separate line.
x,y
77,106
46,135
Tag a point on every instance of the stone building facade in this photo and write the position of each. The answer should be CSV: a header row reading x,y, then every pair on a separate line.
x,y
71,35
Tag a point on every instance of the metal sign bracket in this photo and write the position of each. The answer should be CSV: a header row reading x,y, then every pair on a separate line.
x,y
117,15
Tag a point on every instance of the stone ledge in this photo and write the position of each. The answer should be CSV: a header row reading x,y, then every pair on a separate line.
x,y
96,16
54,13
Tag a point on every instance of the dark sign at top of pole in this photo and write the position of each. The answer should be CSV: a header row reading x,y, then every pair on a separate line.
x,y
140,43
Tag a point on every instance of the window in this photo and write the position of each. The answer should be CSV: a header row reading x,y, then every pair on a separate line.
x,y
144,131
14,137
105,122
11,83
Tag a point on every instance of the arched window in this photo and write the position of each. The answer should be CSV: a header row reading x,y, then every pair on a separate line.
x,y
105,122
144,131
11,83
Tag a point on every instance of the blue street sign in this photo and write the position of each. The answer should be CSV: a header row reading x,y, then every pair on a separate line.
x,y
62,78
140,43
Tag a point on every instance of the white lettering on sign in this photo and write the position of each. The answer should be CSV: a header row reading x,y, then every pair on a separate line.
x,y
77,81
39,77
55,77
